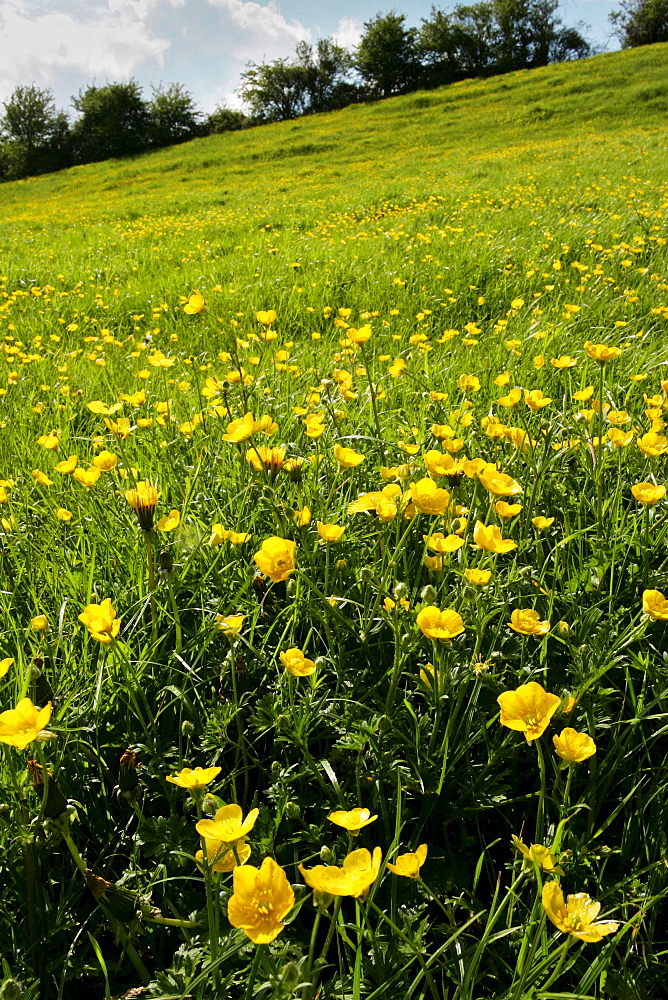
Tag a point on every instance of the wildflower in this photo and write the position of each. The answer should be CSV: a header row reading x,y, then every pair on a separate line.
x,y
222,857
200,777
576,915
101,621
653,444
528,709
564,361
527,622
41,478
262,897
302,517
409,864
359,336
504,509
315,424
228,825
276,558
330,532
230,623
266,459
655,605
648,493
437,624
468,383
347,457
296,663
489,538
106,461
573,747
478,577
512,399
542,523
68,465
87,477
384,502
195,304
39,623
538,853
49,441
498,482
535,399
143,499
359,871
438,542
429,498
21,725
352,821
266,317
601,353
439,463
5,665
170,521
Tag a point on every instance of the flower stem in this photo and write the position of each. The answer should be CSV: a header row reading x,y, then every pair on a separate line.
x,y
151,584
253,971
541,798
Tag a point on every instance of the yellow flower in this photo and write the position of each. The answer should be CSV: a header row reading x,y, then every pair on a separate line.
x,y
359,336
268,460
437,624
106,461
330,532
504,509
199,777
347,457
87,477
315,424
239,430
170,521
230,623
296,663
39,623
21,725
498,482
538,853
409,864
582,395
63,514
542,523
5,665
429,498
438,542
433,563
535,399
564,361
648,493
478,577
489,538
439,463
143,499
101,621
222,857
352,821
49,441
653,444
41,477
276,558
528,709
228,825
195,304
601,353
576,915
67,465
359,871
266,317
573,747
384,502
526,621
302,517
262,897
655,605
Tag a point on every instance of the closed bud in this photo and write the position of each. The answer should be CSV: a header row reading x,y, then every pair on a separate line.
x,y
283,723
326,855
341,564
366,574
210,804
35,672
293,810
428,594
276,768
401,591
563,629
384,724
121,903
128,781
166,562
406,642
56,803
187,728
291,588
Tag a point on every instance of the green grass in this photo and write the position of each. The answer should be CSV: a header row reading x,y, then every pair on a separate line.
x,y
482,230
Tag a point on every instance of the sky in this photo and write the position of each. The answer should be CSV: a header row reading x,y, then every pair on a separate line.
x,y
203,44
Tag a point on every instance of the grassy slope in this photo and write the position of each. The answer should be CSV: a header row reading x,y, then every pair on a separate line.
x,y
366,153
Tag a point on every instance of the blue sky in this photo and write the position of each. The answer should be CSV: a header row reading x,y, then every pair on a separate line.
x,y
203,44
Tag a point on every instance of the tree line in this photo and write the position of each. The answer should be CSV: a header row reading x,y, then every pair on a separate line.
x,y
472,40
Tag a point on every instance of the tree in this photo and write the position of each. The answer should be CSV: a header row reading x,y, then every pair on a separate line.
x,y
226,120
459,44
35,134
387,55
326,75
115,121
641,22
174,116
274,91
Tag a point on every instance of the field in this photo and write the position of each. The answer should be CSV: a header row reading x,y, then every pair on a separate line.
x,y
332,462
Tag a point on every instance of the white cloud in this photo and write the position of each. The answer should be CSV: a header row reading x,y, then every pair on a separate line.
x,y
264,21
348,32
100,41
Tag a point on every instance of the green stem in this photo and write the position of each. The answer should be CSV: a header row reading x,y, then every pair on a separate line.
x,y
599,454
541,798
560,964
253,972
151,584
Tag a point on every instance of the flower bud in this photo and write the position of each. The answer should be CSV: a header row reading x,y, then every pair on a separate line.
x,y
320,662
113,899
293,810
366,574
401,591
128,782
291,587
326,855
428,594
187,728
56,803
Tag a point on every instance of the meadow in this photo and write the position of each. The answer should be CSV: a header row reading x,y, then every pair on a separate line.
x,y
333,532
